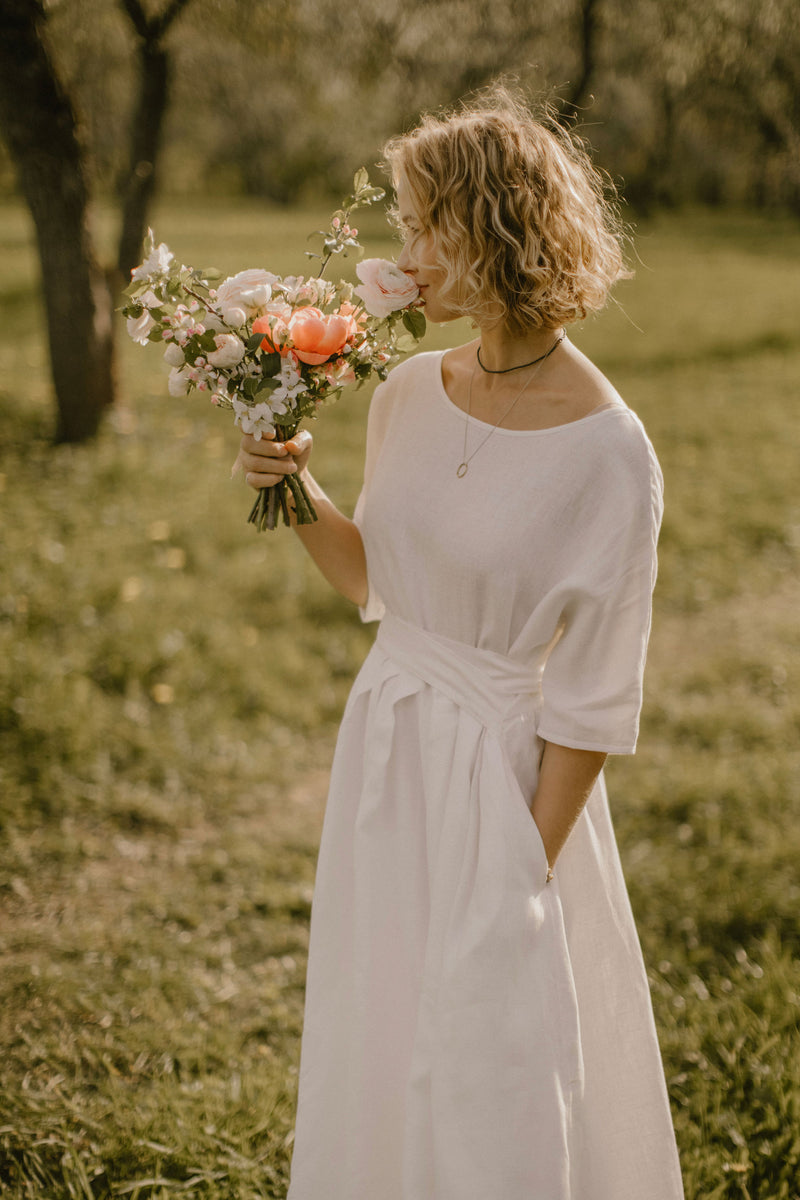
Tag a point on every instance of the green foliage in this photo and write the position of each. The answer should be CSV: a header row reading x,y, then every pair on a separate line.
x,y
414,321
683,101
170,686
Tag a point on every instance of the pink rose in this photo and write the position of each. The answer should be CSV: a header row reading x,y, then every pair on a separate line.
x,y
317,337
384,287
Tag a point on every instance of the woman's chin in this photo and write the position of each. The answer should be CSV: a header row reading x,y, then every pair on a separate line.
x,y
438,314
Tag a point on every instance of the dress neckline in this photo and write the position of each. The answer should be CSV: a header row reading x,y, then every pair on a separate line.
x,y
601,410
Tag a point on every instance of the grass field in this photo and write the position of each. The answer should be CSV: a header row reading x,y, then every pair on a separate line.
x,y
170,685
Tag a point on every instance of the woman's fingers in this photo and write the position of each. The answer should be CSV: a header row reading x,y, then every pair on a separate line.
x,y
266,461
300,447
300,442
264,470
265,446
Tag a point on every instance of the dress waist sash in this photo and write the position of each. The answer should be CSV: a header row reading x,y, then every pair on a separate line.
x,y
491,686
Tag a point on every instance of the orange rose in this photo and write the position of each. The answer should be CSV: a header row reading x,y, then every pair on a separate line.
x,y
316,337
275,325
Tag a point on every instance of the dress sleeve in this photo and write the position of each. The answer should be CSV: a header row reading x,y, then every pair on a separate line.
x,y
377,424
592,683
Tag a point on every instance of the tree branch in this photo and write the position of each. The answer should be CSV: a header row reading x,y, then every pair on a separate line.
x,y
152,29
173,10
138,18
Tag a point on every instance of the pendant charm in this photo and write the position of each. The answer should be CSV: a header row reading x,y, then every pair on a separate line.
x,y
462,470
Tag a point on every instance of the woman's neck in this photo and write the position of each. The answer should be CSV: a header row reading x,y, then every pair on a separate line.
x,y
501,349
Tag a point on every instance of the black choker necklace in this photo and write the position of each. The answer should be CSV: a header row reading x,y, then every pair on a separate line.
x,y
532,363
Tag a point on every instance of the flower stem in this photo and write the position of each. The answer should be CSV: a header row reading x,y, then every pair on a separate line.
x,y
305,513
272,501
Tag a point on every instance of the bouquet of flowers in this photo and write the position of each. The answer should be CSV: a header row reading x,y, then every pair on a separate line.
x,y
272,349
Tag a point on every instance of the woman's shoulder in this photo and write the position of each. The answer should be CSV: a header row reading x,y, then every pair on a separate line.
x,y
625,431
417,366
623,474
627,439
618,450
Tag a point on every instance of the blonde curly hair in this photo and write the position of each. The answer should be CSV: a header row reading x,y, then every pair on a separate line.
x,y
526,230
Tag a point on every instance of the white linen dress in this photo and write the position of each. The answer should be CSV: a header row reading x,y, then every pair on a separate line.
x,y
471,1031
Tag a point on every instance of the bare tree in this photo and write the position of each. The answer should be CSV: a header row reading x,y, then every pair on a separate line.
x,y
44,139
42,135
146,126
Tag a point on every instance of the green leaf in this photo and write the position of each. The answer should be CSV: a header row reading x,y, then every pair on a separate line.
x,y
267,385
368,196
211,273
254,341
415,322
360,180
270,363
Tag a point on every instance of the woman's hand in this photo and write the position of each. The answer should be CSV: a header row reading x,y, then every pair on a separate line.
x,y
267,462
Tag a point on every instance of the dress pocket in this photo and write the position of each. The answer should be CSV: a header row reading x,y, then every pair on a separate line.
x,y
526,833
522,750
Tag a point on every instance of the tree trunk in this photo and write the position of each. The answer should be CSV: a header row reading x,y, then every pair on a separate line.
x,y
146,126
588,37
41,132
145,143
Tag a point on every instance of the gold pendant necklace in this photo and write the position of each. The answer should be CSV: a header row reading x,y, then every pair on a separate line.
x,y
466,459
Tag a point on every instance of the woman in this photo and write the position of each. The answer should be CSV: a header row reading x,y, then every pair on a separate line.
x,y
478,1023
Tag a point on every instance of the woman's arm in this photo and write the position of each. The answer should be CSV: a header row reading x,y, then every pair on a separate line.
x,y
333,541
566,778
335,545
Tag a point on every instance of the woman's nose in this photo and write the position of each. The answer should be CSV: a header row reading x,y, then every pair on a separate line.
x,y
404,261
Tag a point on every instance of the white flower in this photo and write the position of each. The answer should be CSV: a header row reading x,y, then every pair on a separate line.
x,y
150,299
156,263
139,327
179,382
229,351
245,295
299,290
174,356
214,323
384,287
181,318
234,316
255,418
291,385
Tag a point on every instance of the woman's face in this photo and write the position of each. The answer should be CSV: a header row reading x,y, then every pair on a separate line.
x,y
418,256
